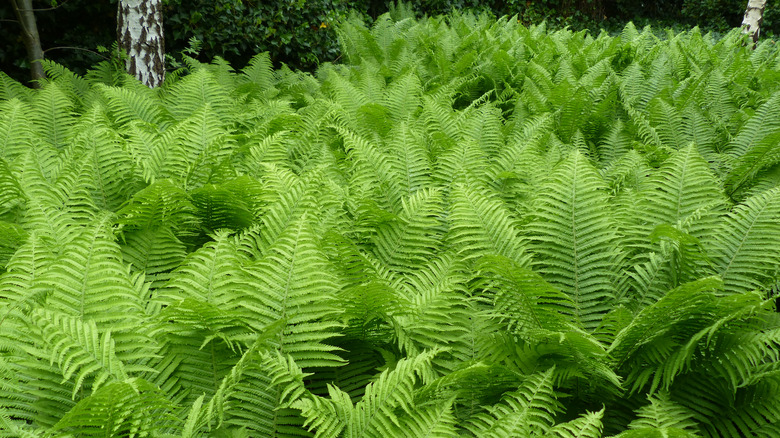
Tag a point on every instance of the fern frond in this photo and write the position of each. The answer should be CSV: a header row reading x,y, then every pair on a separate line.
x,y
528,410
194,146
386,406
90,281
162,204
50,113
651,338
291,283
11,89
574,235
209,274
763,123
410,241
126,105
120,409
16,135
743,248
155,252
523,299
79,349
196,91
586,426
481,225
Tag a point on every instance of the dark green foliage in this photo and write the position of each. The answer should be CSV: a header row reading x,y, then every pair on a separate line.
x,y
472,228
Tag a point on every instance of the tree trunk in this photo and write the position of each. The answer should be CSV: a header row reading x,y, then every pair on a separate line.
x,y
32,41
139,30
754,14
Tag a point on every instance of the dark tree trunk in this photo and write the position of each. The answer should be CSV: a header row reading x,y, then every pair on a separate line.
x,y
32,41
140,35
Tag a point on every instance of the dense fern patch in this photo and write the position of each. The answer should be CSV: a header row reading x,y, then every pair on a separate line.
x,y
470,228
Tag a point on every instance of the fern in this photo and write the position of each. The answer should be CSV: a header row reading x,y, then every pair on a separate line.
x,y
469,227
574,234
745,260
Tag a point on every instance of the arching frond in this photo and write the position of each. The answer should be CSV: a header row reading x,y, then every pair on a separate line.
x,y
574,237
743,248
480,225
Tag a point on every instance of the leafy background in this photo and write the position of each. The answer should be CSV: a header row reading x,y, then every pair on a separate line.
x,y
291,30
468,228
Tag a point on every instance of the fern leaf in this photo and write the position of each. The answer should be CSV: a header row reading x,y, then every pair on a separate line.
x,y
51,115
120,409
90,281
79,349
480,225
16,135
574,235
412,240
529,409
587,426
291,283
743,248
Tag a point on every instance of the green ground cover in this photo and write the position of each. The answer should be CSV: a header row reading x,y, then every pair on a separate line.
x,y
467,228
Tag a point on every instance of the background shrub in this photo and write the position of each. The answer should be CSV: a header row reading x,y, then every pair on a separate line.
x,y
299,33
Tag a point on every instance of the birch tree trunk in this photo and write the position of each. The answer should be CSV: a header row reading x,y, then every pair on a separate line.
x,y
754,14
139,28
32,41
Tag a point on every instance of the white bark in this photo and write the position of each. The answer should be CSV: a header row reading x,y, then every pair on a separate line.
x,y
754,14
140,35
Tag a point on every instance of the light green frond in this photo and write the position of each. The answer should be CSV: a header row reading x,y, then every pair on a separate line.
x,y
429,421
744,248
668,122
574,236
403,97
372,170
79,349
461,162
162,204
196,91
291,283
521,413
682,192
481,225
195,145
522,299
411,240
586,426
113,176
257,78
120,409
50,113
12,237
659,330
663,413
385,407
485,127
126,105
220,206
11,89
209,274
11,193
763,154
16,135
155,252
14,428
411,158
77,88
89,280
765,122
28,262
